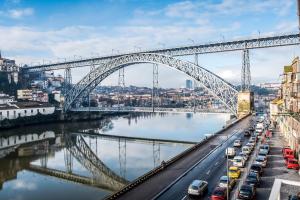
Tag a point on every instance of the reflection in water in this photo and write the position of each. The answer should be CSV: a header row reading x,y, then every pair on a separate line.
x,y
47,161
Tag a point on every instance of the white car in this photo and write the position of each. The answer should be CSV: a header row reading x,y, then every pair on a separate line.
x,y
230,152
237,143
246,150
238,161
262,160
197,187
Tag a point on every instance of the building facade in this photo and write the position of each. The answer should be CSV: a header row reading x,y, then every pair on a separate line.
x,y
24,109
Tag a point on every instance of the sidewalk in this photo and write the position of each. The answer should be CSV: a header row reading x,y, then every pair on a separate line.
x,y
276,169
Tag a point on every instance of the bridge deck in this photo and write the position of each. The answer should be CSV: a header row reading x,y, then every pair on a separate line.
x,y
117,137
160,180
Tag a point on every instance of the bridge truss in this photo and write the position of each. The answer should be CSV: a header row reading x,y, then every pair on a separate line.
x,y
221,89
236,45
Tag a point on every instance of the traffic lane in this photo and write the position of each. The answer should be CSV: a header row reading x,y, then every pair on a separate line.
x,y
204,170
220,168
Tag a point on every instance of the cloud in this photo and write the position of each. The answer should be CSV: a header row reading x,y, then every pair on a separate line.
x,y
20,13
20,184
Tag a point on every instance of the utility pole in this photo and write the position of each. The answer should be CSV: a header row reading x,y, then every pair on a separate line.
x,y
298,13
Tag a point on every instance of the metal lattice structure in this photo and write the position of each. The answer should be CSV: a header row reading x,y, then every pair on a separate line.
x,y
82,152
218,87
253,43
246,75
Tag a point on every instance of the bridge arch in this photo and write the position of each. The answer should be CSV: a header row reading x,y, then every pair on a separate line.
x,y
217,86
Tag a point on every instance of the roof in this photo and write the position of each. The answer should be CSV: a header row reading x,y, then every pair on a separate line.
x,y
22,105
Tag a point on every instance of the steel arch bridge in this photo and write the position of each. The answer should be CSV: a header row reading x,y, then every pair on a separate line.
x,y
217,86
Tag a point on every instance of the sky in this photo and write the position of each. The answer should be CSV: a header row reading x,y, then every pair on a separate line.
x,y
34,31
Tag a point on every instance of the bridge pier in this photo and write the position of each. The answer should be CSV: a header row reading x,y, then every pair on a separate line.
x,y
245,103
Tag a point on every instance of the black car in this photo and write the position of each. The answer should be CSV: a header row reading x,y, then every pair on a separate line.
x,y
247,133
257,168
294,197
247,192
253,181
253,174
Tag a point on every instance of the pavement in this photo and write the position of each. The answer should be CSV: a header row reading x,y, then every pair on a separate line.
x,y
276,169
209,167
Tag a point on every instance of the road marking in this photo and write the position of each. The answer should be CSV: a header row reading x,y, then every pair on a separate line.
x,y
183,197
208,172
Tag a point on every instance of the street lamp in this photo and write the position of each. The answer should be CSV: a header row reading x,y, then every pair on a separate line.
x,y
227,192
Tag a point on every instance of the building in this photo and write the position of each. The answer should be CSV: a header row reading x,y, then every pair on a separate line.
x,y
24,109
284,111
9,66
4,99
189,84
24,94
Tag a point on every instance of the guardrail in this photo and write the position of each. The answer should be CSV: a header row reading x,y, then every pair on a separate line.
x,y
160,168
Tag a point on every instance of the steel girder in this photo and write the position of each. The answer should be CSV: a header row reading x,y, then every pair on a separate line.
x,y
260,42
221,89
83,153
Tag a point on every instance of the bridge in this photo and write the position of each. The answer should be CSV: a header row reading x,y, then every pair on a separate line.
x,y
102,67
147,109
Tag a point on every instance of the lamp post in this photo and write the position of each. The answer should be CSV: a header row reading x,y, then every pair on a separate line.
x,y
227,188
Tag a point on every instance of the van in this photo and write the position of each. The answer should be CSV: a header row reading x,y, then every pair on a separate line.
x,y
230,152
246,150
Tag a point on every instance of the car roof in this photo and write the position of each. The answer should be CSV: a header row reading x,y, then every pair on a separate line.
x,y
220,188
233,168
196,182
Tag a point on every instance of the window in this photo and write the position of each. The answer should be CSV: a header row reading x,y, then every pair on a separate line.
x,y
31,111
25,111
7,113
38,110
44,110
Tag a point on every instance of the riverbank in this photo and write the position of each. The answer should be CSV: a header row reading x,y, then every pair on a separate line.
x,y
57,116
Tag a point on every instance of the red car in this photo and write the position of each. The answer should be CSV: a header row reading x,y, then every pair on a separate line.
x,y
284,148
292,163
220,193
288,153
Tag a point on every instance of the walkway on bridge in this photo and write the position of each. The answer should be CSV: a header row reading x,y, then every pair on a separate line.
x,y
140,139
162,177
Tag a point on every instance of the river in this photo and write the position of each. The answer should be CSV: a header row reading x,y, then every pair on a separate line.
x,y
56,161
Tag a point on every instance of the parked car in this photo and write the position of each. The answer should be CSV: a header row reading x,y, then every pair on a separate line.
x,y
254,138
250,145
292,163
197,187
247,192
223,182
219,193
294,197
238,161
234,172
252,180
230,152
263,152
284,148
288,153
262,160
256,175
244,155
257,168
246,150
237,143
266,147
247,133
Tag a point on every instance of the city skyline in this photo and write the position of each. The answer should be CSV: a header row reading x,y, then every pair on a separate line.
x,y
33,31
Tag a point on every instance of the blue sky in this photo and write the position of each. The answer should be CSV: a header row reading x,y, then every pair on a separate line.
x,y
33,30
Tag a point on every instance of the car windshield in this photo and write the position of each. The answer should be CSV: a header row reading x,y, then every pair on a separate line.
x,y
218,192
255,167
245,192
233,170
194,187
293,162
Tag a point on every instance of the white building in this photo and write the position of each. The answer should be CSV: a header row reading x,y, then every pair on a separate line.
x,y
4,99
24,109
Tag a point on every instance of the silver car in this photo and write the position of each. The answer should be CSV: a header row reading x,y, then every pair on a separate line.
x,y
197,187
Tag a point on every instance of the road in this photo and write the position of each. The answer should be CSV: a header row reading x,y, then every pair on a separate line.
x,y
157,183
210,170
